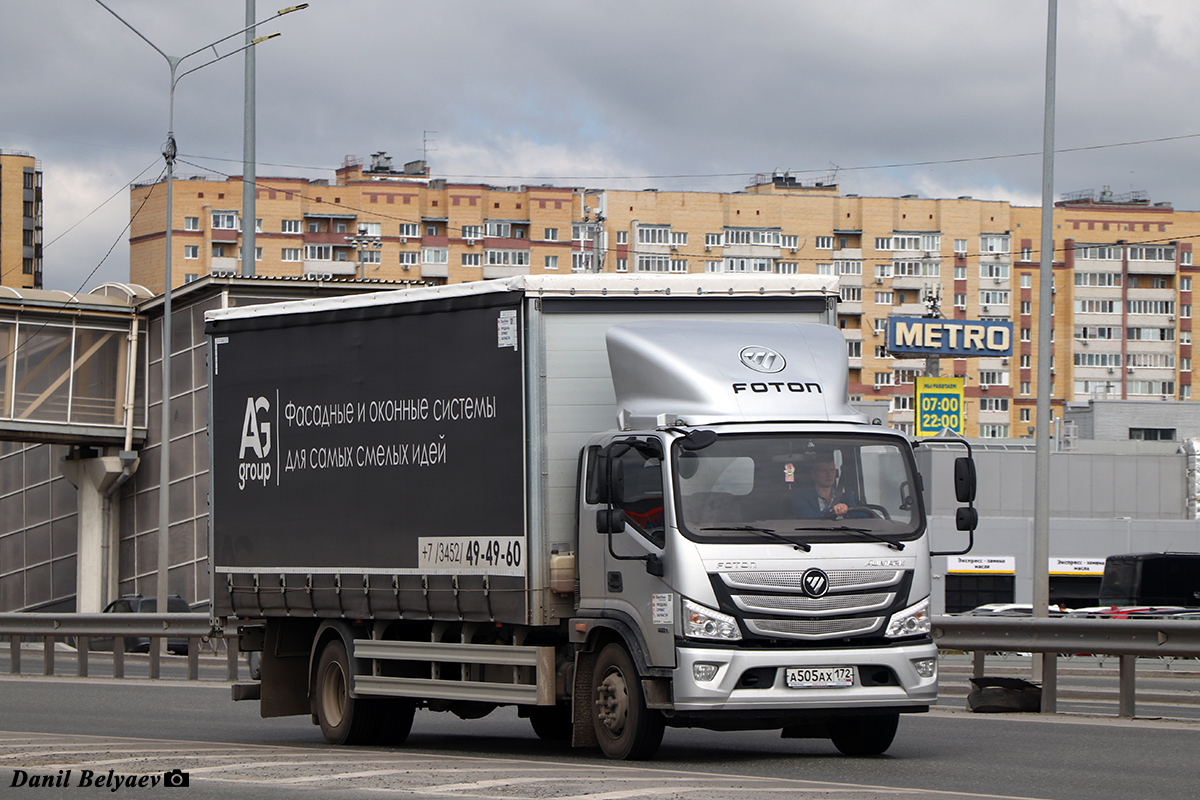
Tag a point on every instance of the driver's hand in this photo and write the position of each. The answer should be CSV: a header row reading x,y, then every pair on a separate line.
x,y
840,509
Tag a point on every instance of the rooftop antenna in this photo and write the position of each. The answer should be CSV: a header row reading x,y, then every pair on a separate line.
x,y
425,148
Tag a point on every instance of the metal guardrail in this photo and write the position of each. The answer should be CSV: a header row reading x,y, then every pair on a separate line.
x,y
1053,636
196,628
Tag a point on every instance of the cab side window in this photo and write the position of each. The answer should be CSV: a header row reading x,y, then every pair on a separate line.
x,y
642,495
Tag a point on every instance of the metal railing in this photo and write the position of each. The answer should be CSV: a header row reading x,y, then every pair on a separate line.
x,y
83,628
1054,636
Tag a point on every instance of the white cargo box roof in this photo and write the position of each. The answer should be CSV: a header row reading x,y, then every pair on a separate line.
x,y
575,285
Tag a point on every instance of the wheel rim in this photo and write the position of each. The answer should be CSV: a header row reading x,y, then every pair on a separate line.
x,y
333,694
612,702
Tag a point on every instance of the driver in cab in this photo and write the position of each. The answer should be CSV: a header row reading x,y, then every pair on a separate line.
x,y
822,500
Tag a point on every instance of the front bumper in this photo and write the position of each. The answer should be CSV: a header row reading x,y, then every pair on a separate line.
x,y
725,693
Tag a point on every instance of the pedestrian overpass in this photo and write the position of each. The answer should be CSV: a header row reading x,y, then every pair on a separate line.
x,y
72,367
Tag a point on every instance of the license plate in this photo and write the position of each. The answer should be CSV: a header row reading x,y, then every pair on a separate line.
x,y
819,677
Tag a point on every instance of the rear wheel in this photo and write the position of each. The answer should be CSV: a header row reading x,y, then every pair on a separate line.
x,y
625,728
393,720
864,735
552,723
343,719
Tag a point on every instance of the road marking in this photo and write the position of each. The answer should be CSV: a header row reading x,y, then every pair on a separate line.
x,y
415,773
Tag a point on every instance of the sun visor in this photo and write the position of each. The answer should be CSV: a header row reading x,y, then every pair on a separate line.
x,y
706,372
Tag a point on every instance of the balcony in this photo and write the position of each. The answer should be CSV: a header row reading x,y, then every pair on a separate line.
x,y
435,270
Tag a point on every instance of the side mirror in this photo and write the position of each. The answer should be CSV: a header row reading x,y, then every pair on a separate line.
x,y
609,480
610,520
964,480
966,518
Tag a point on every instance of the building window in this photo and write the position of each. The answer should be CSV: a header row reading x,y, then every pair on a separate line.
x,y
1025,387
622,237
851,294
290,225
1027,254
993,431
1025,415
823,242
368,256
224,221
1026,307
1185,310
471,259
339,227
435,255
993,377
431,230
258,254
824,269
993,244
787,268
550,234
508,258
793,242
550,262
902,402
1185,337
290,254
883,379
498,230
314,226
1152,434
710,240
318,252
191,223
409,258
1156,253
472,232
960,273
714,266
848,267
678,238
410,229
623,265
191,251
581,262
881,325
679,265
854,348
883,298
993,404
1026,334
653,263
191,276
993,270
653,235
960,247
1025,361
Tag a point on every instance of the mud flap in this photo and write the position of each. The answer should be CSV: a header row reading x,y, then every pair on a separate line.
x,y
583,734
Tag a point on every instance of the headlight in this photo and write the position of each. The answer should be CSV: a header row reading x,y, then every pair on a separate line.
x,y
912,621
704,623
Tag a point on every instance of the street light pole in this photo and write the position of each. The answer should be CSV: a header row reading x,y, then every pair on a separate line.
x,y
169,153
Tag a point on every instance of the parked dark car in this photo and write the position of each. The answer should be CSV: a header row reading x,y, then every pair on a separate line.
x,y
140,604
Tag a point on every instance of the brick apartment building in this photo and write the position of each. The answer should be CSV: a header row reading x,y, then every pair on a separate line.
x,y
1122,290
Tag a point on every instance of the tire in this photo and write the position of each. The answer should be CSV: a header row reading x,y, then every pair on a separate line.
x,y
393,720
343,719
624,727
552,723
869,735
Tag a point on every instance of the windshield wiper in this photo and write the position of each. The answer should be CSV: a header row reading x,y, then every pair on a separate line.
x,y
862,532
767,531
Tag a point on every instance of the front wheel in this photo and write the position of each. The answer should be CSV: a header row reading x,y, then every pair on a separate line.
x,y
868,735
624,727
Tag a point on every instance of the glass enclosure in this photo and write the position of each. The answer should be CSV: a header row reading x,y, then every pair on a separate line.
x,y
803,487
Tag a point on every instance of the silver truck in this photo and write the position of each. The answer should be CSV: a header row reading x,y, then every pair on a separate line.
x,y
618,503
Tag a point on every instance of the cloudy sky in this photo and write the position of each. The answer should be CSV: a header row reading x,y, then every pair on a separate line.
x,y
673,94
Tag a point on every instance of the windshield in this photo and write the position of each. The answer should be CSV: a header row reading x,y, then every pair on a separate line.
x,y
807,488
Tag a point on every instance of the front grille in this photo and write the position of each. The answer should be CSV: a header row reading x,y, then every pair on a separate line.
x,y
829,605
814,628
839,580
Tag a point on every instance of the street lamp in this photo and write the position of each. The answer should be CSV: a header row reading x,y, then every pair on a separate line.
x,y
169,151
363,243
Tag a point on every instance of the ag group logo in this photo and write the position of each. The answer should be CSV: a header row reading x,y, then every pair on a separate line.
x,y
256,441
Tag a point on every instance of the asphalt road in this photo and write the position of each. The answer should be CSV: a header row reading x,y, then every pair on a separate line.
x,y
144,728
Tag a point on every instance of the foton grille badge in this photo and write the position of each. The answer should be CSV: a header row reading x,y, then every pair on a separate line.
x,y
816,582
762,359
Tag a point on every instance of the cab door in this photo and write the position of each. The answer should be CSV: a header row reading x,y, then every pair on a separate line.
x,y
632,554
